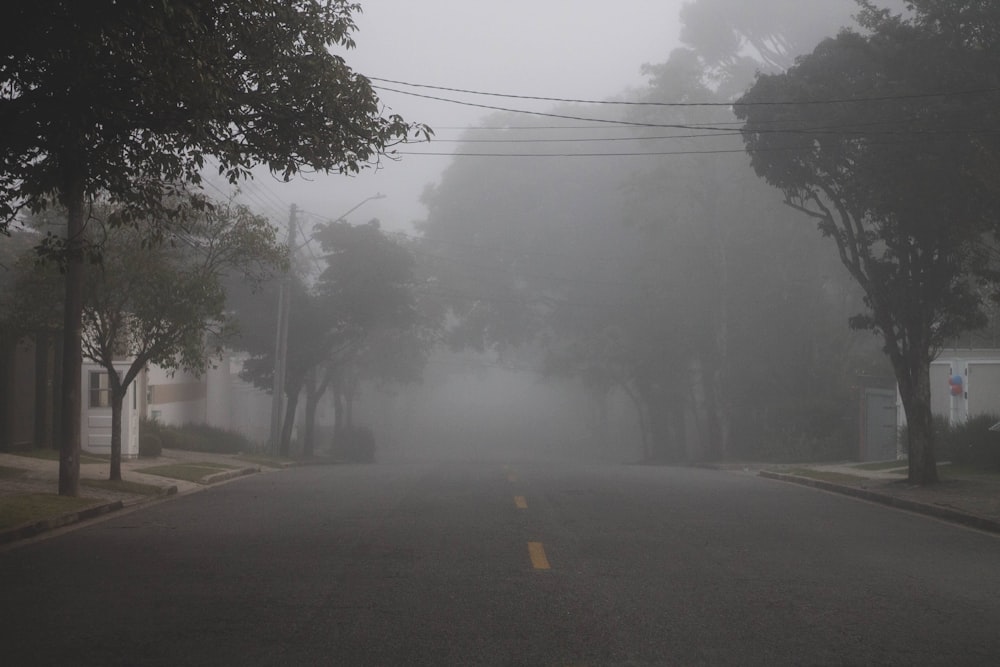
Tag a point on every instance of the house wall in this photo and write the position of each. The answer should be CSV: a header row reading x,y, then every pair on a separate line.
x,y
176,398
980,371
218,398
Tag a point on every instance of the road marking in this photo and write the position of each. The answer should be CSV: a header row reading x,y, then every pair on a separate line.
x,y
521,502
537,553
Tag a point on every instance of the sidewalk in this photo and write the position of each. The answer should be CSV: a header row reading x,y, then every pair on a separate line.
x,y
30,475
962,497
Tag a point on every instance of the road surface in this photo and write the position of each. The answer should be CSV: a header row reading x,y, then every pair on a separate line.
x,y
491,564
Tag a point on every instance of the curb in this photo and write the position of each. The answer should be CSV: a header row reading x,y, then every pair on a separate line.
x,y
37,527
216,477
936,511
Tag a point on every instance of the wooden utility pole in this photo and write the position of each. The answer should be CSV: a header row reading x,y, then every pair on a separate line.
x,y
281,342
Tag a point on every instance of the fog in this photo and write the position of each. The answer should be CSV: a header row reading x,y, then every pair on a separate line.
x,y
604,278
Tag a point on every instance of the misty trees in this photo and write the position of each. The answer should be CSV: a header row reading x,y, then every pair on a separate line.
x,y
129,101
862,137
676,281
359,319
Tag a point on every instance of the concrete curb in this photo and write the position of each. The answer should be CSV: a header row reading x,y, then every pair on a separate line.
x,y
936,511
217,477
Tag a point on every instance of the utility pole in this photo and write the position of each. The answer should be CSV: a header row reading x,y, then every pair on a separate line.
x,y
281,342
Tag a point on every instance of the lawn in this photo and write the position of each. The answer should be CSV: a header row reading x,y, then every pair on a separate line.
x,y
881,465
125,486
269,461
827,475
954,470
53,455
189,472
23,508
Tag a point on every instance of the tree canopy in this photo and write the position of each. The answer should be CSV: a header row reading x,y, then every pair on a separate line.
x,y
878,137
130,101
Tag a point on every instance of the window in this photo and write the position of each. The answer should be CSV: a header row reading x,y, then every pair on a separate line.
x,y
100,390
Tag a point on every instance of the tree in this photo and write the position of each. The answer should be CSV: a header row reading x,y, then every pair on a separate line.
x,y
363,296
860,137
735,38
165,304
128,101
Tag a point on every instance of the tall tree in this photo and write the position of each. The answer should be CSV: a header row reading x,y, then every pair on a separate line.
x,y
862,137
128,100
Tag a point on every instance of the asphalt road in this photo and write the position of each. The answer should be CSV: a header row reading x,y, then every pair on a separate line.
x,y
442,565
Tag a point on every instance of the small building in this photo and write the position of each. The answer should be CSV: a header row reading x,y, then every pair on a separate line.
x,y
95,436
965,383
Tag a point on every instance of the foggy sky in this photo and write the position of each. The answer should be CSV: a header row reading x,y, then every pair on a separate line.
x,y
559,48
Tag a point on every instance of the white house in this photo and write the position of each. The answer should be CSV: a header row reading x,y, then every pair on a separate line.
x,y
95,434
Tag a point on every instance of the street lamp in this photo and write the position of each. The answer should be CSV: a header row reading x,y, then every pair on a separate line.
x,y
281,342
340,218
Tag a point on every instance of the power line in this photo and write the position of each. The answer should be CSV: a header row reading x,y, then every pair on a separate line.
x,y
587,139
834,130
879,98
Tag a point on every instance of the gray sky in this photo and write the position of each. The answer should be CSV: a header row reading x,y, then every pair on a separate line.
x,y
587,49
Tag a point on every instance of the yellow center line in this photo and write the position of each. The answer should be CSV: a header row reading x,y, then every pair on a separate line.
x,y
537,553
521,502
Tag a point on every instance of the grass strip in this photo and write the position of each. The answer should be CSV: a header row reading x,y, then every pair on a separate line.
x,y
29,507
956,471
189,472
125,486
882,465
826,475
269,461
53,455
6,472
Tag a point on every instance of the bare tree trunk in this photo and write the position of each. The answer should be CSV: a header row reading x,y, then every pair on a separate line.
x,y
292,394
54,389
312,399
7,345
70,404
117,401
338,409
641,417
915,392
43,390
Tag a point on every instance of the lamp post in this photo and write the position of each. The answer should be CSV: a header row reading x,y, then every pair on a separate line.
x,y
377,195
281,339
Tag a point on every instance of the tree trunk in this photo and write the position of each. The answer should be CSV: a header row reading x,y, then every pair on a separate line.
x,y
56,385
6,384
338,409
312,400
70,404
292,395
117,401
641,417
349,410
43,390
915,392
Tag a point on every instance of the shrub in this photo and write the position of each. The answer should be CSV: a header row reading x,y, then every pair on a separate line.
x,y
195,438
150,445
973,443
205,438
355,444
